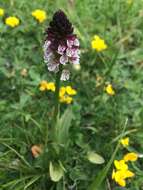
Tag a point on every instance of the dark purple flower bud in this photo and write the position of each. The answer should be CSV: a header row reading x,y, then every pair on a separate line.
x,y
60,25
61,45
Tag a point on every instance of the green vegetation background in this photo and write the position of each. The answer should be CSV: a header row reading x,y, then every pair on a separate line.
x,y
98,118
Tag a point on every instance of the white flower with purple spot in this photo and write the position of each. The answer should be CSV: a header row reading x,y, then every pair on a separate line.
x,y
75,60
61,49
63,59
76,42
48,57
65,75
54,67
70,43
46,45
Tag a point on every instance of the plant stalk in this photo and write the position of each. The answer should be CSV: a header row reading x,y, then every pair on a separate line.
x,y
57,83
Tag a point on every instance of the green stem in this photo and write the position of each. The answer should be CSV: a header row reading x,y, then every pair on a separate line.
x,y
56,109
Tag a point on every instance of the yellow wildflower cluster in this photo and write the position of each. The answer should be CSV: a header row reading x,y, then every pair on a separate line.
x,y
44,85
122,172
66,93
39,15
12,21
109,89
98,44
1,12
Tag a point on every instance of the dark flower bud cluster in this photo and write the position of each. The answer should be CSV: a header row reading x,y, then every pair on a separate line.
x,y
61,45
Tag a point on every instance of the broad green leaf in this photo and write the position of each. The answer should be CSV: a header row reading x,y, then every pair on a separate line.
x,y
56,172
62,127
95,158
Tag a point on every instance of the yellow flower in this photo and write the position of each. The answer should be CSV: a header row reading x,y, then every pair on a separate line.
x,y
125,142
12,21
128,174
43,85
1,12
113,174
121,172
69,100
120,165
70,90
120,178
109,89
131,157
120,175
122,182
66,99
98,44
62,91
62,99
64,94
40,15
51,86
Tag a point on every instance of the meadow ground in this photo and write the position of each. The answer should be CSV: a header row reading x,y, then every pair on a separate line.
x,y
96,141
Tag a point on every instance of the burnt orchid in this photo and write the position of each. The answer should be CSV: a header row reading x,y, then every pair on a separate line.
x,y
61,49
61,46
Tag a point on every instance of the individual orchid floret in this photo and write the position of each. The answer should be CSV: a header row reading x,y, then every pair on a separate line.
x,y
61,46
65,75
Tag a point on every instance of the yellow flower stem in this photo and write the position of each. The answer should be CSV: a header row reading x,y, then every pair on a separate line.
x,y
57,83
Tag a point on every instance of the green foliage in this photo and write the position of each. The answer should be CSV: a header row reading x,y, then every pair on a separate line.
x,y
62,128
94,121
95,158
56,172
